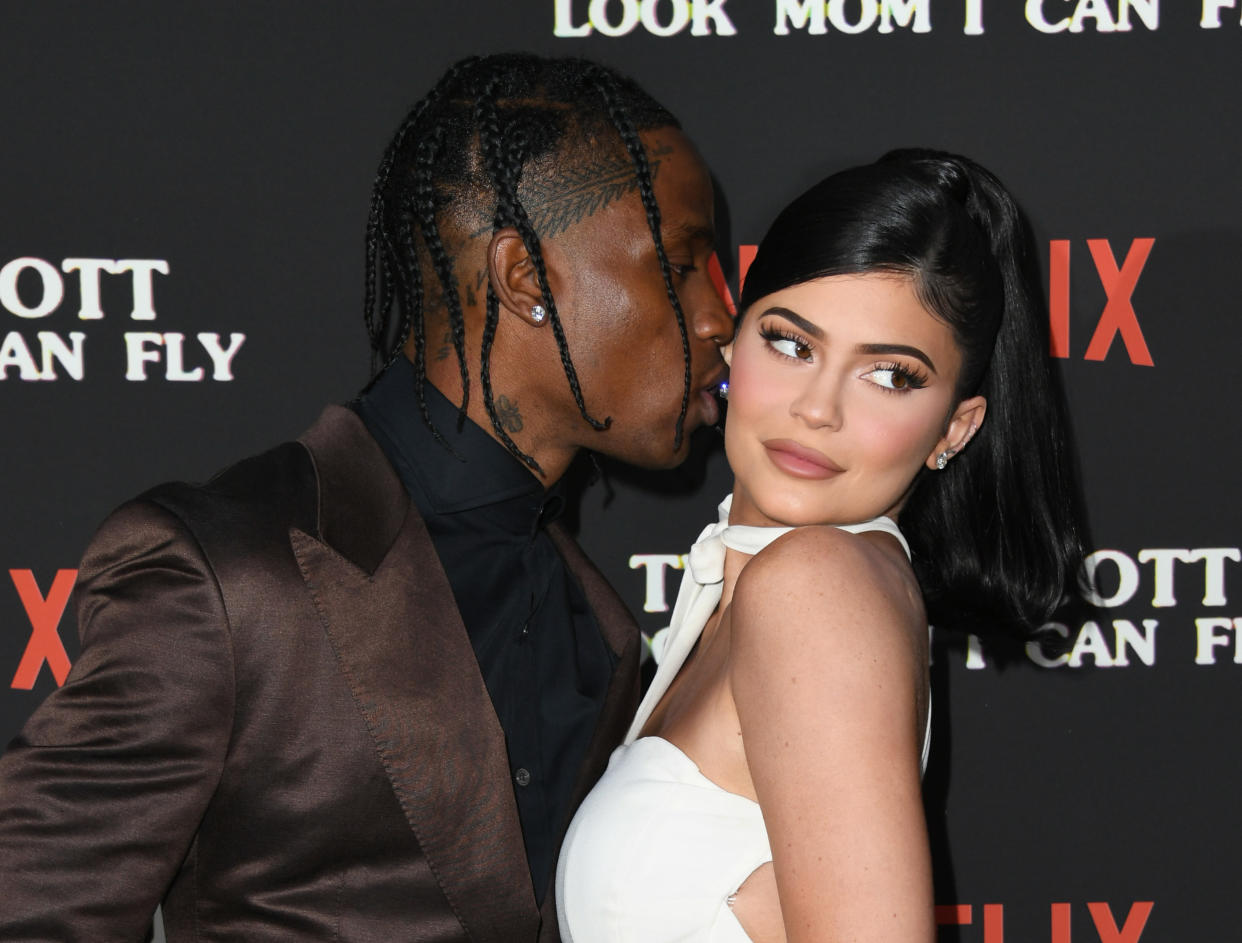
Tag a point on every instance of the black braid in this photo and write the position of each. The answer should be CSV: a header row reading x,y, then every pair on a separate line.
x,y
523,225
410,282
425,201
455,145
642,169
503,166
378,320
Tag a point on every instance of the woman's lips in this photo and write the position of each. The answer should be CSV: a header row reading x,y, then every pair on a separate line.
x,y
799,461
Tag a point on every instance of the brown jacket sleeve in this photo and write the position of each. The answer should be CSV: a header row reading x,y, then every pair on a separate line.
x,y
102,791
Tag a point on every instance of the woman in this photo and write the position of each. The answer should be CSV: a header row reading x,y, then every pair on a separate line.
x,y
890,367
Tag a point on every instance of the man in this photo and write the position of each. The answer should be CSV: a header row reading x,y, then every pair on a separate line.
x,y
353,688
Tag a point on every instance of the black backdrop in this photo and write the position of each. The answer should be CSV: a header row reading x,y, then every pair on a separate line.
x,y
234,143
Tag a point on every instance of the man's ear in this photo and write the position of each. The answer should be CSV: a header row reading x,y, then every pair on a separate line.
x,y
511,271
963,424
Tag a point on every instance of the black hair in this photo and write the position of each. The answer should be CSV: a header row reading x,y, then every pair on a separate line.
x,y
488,124
997,536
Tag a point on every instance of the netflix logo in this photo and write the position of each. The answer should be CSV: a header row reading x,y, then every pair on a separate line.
x,y
989,921
1118,321
44,611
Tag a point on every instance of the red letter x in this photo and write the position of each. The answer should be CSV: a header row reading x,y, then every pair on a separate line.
x,y
1106,924
1119,316
44,614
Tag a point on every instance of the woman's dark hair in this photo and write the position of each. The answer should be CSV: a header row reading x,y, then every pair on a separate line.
x,y
490,125
997,536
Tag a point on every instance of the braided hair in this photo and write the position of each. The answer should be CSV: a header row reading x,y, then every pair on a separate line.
x,y
490,125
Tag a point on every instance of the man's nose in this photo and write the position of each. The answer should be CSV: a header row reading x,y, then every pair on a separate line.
x,y
712,320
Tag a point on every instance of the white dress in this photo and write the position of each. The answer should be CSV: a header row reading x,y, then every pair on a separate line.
x,y
657,848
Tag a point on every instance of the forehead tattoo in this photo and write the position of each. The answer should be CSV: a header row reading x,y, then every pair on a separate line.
x,y
569,194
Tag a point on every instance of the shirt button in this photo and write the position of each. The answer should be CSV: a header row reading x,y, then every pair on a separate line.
x,y
522,776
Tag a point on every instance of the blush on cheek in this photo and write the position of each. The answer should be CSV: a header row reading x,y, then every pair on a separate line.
x,y
748,379
905,443
757,403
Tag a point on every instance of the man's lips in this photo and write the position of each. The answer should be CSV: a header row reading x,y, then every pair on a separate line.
x,y
800,461
707,396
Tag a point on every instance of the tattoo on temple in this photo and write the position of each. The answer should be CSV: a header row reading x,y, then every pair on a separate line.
x,y
579,190
510,418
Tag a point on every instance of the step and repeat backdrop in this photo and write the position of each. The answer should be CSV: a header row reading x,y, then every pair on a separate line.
x,y
184,190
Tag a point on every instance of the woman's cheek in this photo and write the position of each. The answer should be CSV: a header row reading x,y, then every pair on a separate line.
x,y
751,381
907,438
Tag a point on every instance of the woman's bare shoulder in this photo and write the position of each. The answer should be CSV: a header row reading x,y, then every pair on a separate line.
x,y
821,579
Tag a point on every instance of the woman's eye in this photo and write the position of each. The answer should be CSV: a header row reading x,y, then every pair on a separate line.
x,y
894,378
790,348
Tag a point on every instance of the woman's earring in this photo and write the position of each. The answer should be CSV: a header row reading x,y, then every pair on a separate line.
x,y
537,313
942,460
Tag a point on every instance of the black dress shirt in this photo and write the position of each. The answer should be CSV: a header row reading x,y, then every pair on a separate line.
x,y
539,647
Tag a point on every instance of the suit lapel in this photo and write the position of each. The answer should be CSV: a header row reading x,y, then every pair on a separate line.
x,y
389,613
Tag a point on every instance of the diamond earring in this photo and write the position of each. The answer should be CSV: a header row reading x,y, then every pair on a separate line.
x,y
942,460
537,313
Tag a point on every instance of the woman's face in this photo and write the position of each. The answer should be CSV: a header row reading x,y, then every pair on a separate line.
x,y
840,390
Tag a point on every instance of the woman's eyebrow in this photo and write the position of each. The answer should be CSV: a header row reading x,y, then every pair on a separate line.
x,y
897,349
818,333
809,326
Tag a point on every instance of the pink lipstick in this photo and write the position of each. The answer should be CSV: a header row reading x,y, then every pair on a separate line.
x,y
799,461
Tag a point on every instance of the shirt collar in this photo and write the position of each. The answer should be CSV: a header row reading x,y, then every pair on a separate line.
x,y
475,470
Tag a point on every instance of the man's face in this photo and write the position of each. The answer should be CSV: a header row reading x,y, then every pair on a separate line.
x,y
619,321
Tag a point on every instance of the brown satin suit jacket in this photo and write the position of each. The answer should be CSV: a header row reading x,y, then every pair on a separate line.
x,y
277,724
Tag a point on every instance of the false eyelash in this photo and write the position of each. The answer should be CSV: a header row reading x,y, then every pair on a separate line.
x,y
770,334
916,379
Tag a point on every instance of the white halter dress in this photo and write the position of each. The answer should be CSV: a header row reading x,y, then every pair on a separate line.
x,y
657,848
